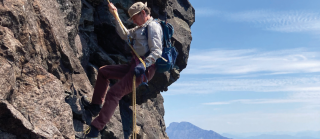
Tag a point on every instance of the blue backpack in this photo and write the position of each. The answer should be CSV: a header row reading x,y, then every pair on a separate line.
x,y
169,52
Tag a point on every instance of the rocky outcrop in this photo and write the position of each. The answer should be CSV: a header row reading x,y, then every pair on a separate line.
x,y
50,52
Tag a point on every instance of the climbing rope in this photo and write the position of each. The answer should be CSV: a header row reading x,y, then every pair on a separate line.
x,y
134,135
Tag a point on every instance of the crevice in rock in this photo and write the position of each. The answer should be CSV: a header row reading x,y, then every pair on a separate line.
x,y
9,96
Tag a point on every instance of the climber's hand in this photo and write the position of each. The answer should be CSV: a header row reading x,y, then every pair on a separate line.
x,y
139,70
112,8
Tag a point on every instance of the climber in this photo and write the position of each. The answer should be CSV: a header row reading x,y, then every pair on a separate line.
x,y
149,49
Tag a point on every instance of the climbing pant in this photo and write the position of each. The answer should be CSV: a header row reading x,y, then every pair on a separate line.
x,y
123,87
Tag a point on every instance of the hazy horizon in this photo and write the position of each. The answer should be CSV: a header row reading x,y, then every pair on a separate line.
x,y
307,133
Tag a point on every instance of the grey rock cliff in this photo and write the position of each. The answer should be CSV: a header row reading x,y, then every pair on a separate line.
x,y
50,52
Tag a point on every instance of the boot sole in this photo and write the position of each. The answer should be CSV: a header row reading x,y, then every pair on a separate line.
x,y
86,105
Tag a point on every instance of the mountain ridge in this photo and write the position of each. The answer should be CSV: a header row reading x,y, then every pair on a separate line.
x,y
186,130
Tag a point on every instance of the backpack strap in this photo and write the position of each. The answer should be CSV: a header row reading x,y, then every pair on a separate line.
x,y
145,31
165,31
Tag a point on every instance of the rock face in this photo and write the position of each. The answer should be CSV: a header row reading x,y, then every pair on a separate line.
x,y
50,52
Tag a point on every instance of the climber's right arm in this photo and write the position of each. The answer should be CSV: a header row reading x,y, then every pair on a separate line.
x,y
122,31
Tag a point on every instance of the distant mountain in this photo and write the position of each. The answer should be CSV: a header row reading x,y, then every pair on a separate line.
x,y
185,130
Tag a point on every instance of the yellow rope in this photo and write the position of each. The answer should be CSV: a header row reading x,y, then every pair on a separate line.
x,y
123,27
134,135
134,107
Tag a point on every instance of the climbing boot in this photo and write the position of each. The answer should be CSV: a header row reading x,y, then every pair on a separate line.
x,y
92,133
94,109
87,117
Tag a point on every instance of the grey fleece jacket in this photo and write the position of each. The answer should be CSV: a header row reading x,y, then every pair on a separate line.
x,y
140,43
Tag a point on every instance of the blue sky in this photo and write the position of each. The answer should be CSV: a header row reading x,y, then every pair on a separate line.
x,y
254,67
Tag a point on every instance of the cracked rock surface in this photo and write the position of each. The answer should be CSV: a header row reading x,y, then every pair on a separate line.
x,y
50,53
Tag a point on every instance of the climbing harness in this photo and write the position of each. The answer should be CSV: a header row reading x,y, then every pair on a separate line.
x,y
134,135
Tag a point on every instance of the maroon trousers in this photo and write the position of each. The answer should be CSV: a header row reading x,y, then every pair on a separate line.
x,y
117,91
